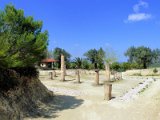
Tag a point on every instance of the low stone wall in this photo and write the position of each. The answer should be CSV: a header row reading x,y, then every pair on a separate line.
x,y
143,72
70,72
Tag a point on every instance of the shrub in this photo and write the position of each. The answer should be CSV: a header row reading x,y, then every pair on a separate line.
x,y
115,66
155,70
126,66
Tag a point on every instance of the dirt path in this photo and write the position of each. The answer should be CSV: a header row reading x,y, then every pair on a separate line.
x,y
85,101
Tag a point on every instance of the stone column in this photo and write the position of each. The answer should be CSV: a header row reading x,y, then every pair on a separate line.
x,y
51,74
78,76
97,77
65,72
107,70
107,91
54,73
62,68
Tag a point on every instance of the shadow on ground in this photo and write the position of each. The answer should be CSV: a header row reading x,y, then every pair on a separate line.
x,y
51,107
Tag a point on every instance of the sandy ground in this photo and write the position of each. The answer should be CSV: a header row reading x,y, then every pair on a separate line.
x,y
85,101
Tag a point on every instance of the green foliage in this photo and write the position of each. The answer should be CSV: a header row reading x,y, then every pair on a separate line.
x,y
125,66
96,57
57,55
135,66
140,55
153,65
120,67
155,70
156,56
72,65
22,42
81,63
130,53
115,66
78,62
86,64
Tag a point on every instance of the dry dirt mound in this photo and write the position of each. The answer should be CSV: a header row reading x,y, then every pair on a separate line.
x,y
24,101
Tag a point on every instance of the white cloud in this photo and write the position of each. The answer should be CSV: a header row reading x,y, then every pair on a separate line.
x,y
140,5
139,17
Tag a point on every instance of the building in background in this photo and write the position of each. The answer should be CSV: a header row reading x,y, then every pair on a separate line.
x,y
48,63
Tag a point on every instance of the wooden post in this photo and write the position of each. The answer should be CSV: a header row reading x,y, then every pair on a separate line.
x,y
62,68
78,76
107,70
107,91
97,77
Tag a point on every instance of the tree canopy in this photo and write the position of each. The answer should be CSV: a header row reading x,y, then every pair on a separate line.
x,y
143,56
95,57
57,55
22,41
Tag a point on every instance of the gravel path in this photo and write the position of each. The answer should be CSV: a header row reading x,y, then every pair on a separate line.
x,y
133,93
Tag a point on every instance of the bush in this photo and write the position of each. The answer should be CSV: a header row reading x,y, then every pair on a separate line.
x,y
155,70
125,66
120,67
115,66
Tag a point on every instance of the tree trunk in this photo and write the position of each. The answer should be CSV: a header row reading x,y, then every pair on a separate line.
x,y
95,66
107,91
62,68
144,65
107,70
97,77
78,76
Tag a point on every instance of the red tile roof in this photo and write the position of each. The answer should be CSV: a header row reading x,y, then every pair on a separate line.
x,y
48,60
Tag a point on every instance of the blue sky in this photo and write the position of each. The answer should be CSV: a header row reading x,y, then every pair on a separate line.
x,y
80,25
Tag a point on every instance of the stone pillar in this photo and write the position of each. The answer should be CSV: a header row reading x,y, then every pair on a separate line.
x,y
107,91
65,73
62,68
97,77
51,74
78,76
54,73
107,70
